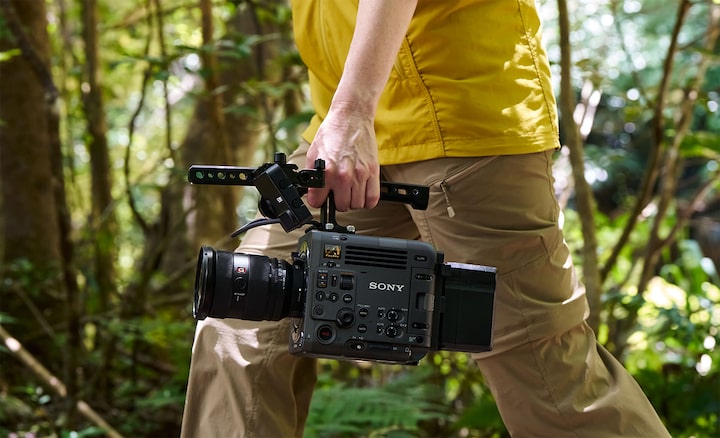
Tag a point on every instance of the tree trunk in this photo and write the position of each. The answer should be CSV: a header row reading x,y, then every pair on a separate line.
x,y
669,164
24,145
102,221
74,351
35,250
583,192
29,233
212,208
219,214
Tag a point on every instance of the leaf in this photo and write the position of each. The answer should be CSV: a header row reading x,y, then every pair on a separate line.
x,y
389,410
9,54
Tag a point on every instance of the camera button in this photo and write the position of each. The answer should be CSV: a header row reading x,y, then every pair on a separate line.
x,y
393,315
240,284
320,296
347,281
318,310
322,279
325,334
355,345
392,331
345,318
333,297
347,298
364,312
362,328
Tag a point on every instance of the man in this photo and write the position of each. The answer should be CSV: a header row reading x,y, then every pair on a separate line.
x,y
454,95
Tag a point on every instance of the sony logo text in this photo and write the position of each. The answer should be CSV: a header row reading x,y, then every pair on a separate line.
x,y
390,287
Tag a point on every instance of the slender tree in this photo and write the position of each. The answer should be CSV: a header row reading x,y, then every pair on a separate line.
x,y
230,103
583,192
664,170
102,220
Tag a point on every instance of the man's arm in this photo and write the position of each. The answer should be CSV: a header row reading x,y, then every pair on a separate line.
x,y
346,138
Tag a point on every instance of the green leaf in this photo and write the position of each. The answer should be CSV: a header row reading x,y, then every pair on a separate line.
x,y
9,54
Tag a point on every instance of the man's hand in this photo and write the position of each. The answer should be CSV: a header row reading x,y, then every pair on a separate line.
x,y
346,141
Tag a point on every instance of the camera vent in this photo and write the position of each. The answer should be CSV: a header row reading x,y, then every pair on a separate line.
x,y
376,257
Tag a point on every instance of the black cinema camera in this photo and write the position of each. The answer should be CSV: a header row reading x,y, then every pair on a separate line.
x,y
350,296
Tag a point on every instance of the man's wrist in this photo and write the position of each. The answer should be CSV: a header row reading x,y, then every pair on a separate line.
x,y
354,106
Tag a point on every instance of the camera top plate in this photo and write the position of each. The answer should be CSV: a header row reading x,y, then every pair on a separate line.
x,y
281,186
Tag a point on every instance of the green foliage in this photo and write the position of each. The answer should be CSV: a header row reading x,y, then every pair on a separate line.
x,y
392,410
9,54
443,396
674,351
395,409
676,368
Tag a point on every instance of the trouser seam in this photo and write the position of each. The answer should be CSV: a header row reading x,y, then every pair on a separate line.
x,y
546,383
550,179
258,377
422,225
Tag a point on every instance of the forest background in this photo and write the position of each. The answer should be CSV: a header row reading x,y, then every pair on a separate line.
x,y
105,104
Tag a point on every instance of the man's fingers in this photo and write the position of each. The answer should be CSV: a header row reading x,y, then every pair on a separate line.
x,y
372,192
342,189
353,186
316,196
357,196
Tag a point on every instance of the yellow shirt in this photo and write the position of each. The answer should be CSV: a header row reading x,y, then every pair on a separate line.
x,y
471,78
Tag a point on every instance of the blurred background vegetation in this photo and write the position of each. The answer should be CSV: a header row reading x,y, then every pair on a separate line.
x,y
104,104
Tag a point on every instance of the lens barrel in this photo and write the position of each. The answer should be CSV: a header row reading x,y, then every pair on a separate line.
x,y
204,289
246,286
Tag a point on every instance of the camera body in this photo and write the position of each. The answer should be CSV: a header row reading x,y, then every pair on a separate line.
x,y
349,296
388,300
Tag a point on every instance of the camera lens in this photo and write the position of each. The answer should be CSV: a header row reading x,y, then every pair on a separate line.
x,y
246,286
203,287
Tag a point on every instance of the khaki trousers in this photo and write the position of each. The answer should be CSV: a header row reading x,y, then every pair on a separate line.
x,y
547,373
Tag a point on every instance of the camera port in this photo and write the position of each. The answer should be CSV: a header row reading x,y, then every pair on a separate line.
x,y
325,334
355,345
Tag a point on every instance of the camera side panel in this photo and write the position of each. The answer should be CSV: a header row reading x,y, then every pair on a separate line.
x,y
367,298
